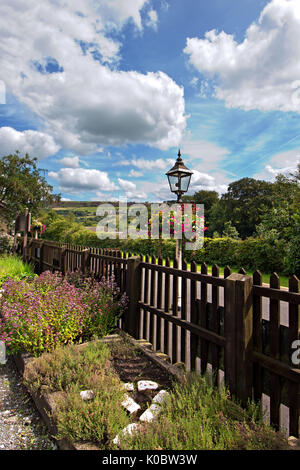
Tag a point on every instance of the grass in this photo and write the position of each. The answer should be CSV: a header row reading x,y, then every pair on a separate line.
x,y
13,267
195,416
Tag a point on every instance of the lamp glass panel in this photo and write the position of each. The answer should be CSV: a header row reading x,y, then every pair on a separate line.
x,y
173,182
184,182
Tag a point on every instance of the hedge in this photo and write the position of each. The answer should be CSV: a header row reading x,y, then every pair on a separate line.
x,y
252,253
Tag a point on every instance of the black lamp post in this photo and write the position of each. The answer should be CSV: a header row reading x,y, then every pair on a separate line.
x,y
179,178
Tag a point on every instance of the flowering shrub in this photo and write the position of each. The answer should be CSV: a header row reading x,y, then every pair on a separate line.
x,y
103,300
38,315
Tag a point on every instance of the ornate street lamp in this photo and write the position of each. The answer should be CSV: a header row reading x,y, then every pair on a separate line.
x,y
179,178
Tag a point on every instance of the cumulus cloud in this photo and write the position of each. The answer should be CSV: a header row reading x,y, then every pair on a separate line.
x,y
36,144
72,180
126,185
283,162
70,162
263,71
85,103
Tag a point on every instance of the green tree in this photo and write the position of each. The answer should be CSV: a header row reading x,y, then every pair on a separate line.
x,y
245,202
230,231
21,186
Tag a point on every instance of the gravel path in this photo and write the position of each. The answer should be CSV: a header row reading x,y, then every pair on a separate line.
x,y
21,427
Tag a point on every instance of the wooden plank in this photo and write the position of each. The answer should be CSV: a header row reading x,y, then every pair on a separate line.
x,y
152,300
294,388
174,349
194,339
159,304
146,300
257,338
206,278
277,294
166,309
196,329
203,321
183,314
275,389
215,351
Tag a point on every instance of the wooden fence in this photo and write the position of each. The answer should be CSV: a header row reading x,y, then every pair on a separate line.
x,y
234,326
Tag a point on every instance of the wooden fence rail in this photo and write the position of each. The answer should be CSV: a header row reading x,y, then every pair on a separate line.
x,y
234,326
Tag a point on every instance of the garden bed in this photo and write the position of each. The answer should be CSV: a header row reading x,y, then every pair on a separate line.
x,y
129,364
194,416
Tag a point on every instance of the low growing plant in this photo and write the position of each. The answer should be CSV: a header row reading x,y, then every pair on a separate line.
x,y
70,370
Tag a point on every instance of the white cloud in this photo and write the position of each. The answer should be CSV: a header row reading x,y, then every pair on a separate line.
x,y
134,195
284,162
36,144
126,185
86,104
135,174
203,155
159,163
70,162
119,12
263,71
152,19
72,180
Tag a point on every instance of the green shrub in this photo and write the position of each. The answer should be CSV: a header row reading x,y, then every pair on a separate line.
x,y
6,243
12,267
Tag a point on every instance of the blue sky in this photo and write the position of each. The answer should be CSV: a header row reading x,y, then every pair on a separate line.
x,y
104,92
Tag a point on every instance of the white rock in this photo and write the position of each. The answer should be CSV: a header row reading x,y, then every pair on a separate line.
x,y
130,404
146,385
150,413
87,394
160,397
128,386
129,430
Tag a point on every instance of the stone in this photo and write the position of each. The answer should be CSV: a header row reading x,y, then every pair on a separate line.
x,y
129,430
150,413
294,443
144,385
129,387
160,397
130,405
87,395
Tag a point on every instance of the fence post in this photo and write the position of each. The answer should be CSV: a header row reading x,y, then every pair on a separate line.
x,y
63,260
133,291
41,257
85,260
238,332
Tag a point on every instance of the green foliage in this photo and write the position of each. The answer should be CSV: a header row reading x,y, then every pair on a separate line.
x,y
39,315
70,370
230,231
6,243
197,416
12,267
21,186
